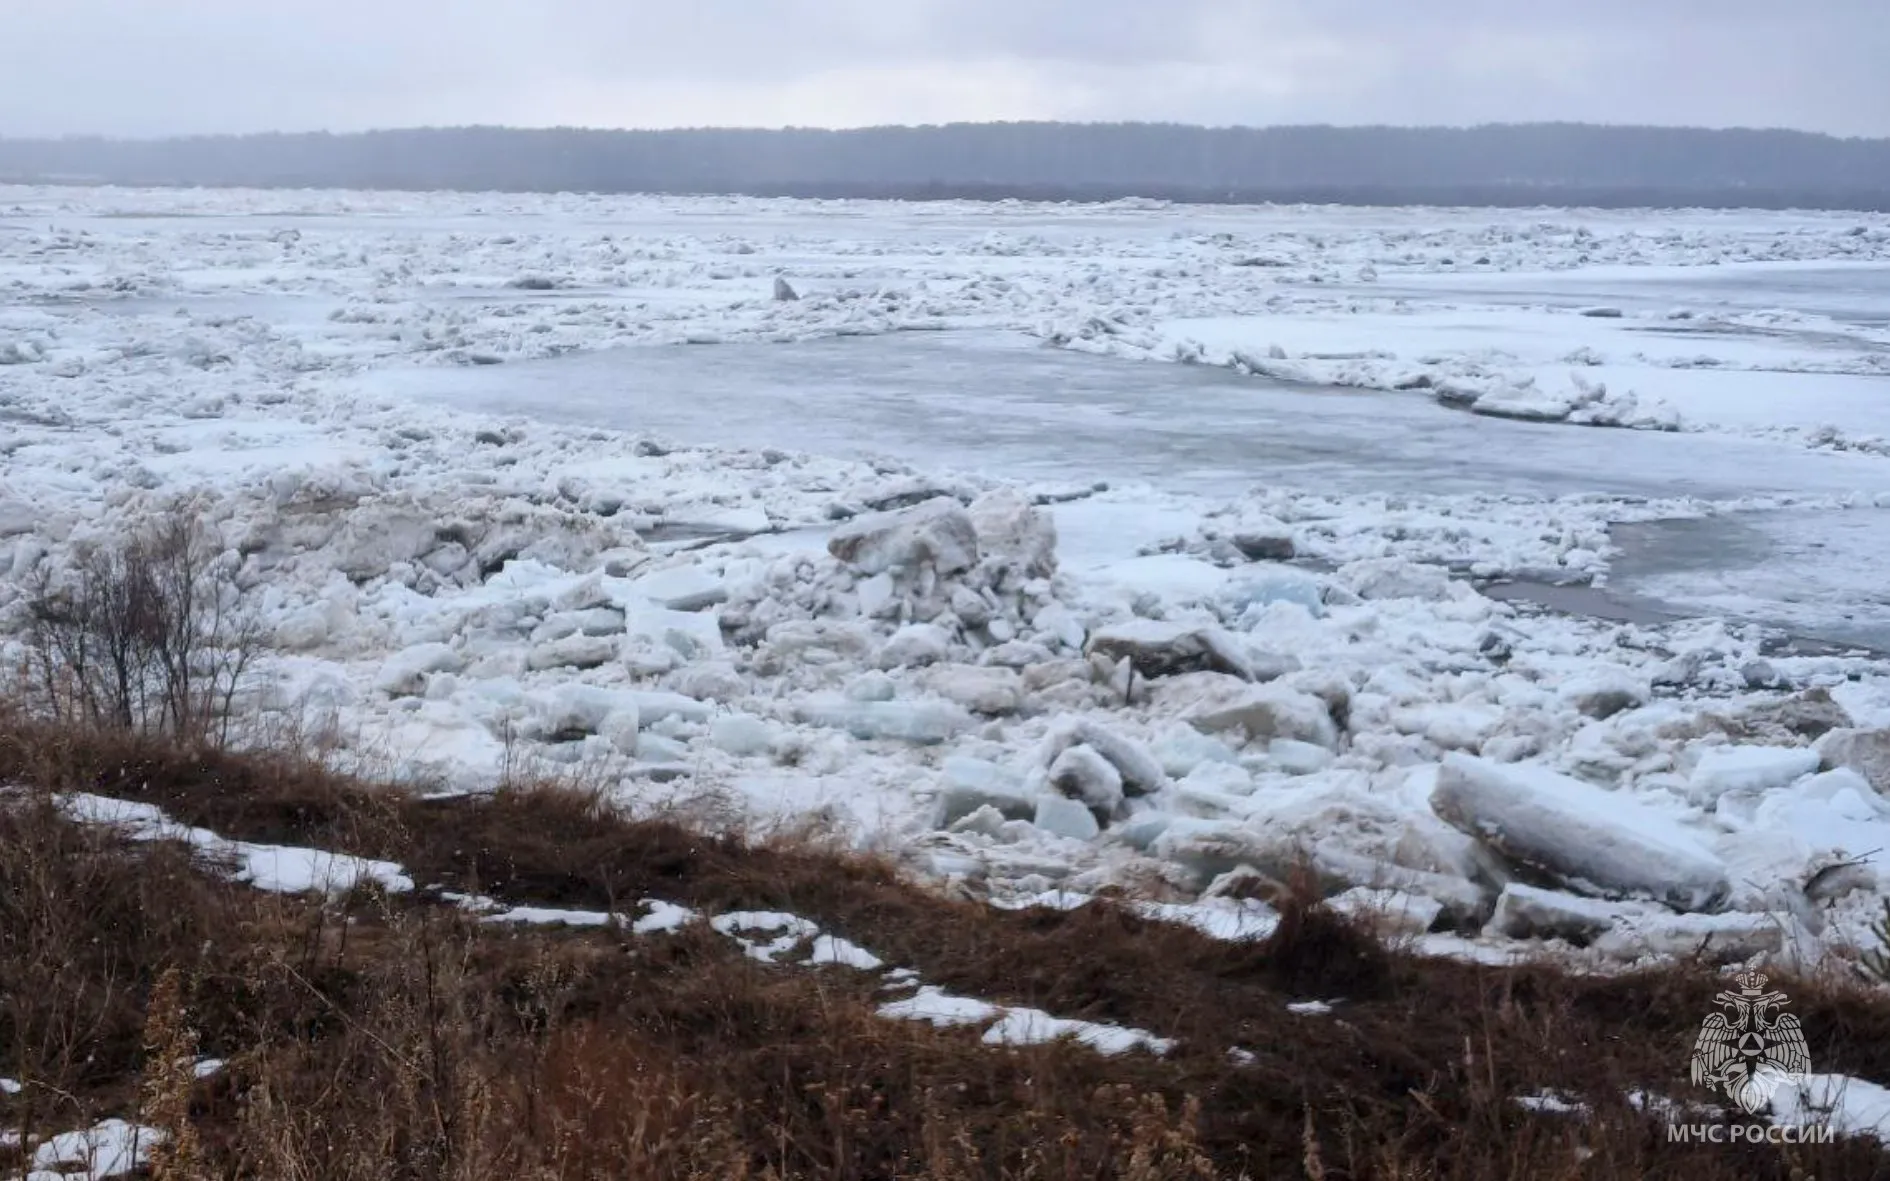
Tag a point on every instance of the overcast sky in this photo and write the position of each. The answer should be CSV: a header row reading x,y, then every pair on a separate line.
x,y
153,67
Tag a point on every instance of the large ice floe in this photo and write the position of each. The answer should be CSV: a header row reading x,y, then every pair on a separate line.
x,y
512,487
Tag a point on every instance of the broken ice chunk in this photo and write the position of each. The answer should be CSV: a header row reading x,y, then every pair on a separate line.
x,y
1595,841
971,784
1066,818
1082,774
920,722
938,533
1725,769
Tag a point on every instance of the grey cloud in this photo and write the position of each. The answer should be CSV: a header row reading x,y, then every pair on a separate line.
x,y
152,67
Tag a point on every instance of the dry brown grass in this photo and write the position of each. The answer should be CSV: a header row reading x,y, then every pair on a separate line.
x,y
398,1038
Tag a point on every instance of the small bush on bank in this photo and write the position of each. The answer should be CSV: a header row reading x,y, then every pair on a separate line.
x,y
142,635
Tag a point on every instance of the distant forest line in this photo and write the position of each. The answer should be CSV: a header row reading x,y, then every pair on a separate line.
x,y
1505,165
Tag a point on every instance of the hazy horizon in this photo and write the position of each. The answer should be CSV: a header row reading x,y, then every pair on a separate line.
x,y
233,67
1493,164
1389,125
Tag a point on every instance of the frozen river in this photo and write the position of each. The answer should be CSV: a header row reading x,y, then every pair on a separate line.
x,y
418,418
1007,405
978,401
210,336
1856,294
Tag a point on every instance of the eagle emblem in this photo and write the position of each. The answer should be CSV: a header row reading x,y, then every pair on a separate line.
x,y
1751,1047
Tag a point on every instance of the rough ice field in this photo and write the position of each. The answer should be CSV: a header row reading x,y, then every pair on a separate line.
x,y
947,551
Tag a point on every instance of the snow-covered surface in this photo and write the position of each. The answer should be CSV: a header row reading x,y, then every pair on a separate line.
x,y
1018,1026
1026,1027
831,949
785,932
547,485
1309,1008
1230,919
1551,1103
939,1007
277,869
1672,1109
662,916
1849,1106
112,1148
539,916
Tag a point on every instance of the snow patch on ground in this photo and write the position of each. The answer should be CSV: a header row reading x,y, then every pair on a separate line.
x,y
111,1148
275,869
1850,1106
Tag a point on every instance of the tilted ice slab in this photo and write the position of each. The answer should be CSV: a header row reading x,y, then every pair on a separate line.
x,y
1594,840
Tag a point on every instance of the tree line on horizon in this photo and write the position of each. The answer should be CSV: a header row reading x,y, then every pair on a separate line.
x,y
1514,164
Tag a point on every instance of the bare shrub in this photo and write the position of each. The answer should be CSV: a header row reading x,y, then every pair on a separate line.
x,y
143,635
